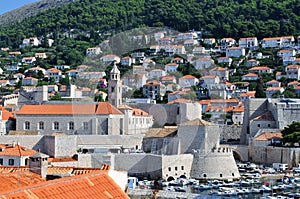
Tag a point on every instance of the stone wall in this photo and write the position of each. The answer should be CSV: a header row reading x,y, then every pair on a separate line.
x,y
198,137
166,145
171,113
230,132
268,154
139,165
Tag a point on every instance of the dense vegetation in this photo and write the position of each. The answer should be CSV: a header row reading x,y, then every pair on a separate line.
x,y
291,133
232,18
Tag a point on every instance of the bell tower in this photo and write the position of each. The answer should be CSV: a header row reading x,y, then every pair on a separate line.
x,y
114,87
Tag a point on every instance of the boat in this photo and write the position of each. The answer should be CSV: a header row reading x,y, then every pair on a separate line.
x,y
202,187
265,189
179,189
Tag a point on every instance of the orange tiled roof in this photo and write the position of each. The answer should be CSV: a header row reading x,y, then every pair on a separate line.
x,y
274,88
188,77
268,136
266,116
171,64
93,185
249,94
293,83
226,109
180,100
16,150
260,68
54,70
233,100
153,83
6,115
272,38
272,81
139,112
102,108
285,51
250,75
208,77
293,66
167,78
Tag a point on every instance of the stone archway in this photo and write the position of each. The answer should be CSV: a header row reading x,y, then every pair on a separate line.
x,y
170,179
237,156
182,176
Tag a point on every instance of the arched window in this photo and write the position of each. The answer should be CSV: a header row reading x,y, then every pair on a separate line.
x,y
27,125
55,126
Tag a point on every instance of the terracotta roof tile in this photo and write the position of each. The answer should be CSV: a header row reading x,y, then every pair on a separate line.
x,y
260,68
198,122
15,150
266,116
188,77
93,185
102,108
268,136
180,100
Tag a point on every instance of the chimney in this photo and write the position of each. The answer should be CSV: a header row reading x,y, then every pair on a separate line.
x,y
14,144
38,163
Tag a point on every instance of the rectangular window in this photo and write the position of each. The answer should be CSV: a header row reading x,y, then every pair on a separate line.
x,y
182,167
41,125
27,126
169,168
258,125
112,89
11,162
1,161
175,168
56,126
85,125
71,125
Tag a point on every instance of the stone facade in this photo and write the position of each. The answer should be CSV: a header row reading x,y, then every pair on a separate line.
x,y
176,113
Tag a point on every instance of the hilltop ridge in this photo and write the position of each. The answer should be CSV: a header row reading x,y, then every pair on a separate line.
x,y
31,9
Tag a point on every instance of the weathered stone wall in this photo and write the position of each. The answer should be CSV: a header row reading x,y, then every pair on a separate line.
x,y
198,137
166,146
230,132
127,141
139,165
268,154
171,113
176,165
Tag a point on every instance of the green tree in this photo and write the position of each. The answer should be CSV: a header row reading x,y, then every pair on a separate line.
x,y
291,133
259,89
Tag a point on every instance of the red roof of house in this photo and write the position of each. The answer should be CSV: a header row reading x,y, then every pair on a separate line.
x,y
15,150
272,81
249,94
91,185
180,100
102,108
188,77
139,112
208,77
268,136
167,78
293,83
250,75
6,115
54,70
293,66
260,68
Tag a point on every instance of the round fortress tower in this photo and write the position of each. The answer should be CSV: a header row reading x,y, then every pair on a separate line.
x,y
211,160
